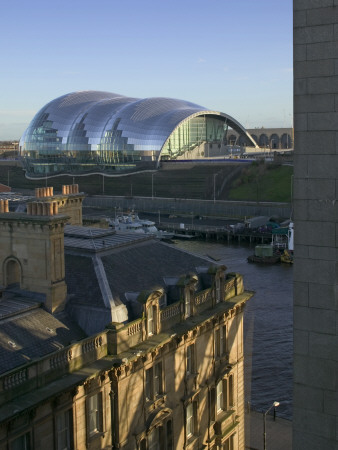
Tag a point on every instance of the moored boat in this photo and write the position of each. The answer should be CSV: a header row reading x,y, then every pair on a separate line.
x,y
264,254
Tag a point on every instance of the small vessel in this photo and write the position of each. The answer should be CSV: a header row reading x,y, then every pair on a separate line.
x,y
264,254
131,223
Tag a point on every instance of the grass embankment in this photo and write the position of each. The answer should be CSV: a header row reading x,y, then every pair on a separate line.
x,y
196,183
262,182
255,182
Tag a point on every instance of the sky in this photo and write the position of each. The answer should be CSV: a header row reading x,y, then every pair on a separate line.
x,y
233,56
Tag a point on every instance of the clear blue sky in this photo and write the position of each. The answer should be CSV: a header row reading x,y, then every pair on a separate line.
x,y
233,56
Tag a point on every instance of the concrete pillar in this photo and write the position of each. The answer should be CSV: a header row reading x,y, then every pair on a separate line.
x,y
315,411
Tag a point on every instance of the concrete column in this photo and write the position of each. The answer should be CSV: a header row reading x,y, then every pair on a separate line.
x,y
315,403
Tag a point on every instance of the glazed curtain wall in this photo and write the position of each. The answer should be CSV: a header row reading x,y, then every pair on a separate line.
x,y
194,132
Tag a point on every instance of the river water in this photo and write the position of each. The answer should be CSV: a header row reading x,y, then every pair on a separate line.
x,y
267,323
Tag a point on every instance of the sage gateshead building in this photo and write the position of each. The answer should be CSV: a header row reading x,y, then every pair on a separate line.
x,y
93,131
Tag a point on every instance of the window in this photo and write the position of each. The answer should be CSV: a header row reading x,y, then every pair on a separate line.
x,y
21,443
191,359
154,381
169,439
150,317
190,422
163,301
64,430
160,438
94,414
154,439
229,443
222,397
231,390
218,290
187,305
220,341
212,404
219,396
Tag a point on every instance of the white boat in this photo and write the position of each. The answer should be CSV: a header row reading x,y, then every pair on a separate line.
x,y
131,223
123,223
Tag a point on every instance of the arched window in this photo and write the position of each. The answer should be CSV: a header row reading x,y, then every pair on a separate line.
x,y
150,320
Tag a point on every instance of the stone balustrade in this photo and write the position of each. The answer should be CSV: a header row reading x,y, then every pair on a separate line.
x,y
52,366
171,311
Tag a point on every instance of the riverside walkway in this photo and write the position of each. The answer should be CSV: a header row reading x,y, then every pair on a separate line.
x,y
278,432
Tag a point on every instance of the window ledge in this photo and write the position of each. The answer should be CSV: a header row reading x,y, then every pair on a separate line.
x,y
156,402
96,435
191,441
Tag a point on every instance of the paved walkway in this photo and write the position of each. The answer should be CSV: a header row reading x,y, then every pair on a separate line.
x,y
278,433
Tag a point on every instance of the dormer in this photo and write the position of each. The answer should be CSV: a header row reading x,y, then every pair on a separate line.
x,y
188,285
217,274
151,310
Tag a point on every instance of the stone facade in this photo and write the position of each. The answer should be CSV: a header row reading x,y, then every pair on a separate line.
x,y
172,378
176,382
315,216
32,255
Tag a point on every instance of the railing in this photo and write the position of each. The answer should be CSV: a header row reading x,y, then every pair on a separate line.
x,y
229,284
134,328
60,359
203,296
14,379
170,311
91,344
65,359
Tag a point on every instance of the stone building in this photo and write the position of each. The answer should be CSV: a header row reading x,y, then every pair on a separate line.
x,y
115,341
315,411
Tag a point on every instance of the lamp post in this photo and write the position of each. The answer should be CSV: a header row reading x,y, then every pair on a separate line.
x,y
152,186
274,405
215,175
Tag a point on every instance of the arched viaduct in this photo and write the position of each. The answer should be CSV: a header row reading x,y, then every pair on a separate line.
x,y
273,138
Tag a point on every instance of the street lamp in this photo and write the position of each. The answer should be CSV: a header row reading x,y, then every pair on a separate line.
x,y
215,175
152,186
274,405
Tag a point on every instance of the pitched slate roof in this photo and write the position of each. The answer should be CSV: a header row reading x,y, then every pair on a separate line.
x,y
146,265
28,332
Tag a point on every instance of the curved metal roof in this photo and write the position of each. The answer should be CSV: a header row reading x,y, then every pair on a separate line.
x,y
95,120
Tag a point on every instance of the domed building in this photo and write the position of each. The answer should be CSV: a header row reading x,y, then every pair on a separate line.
x,y
93,131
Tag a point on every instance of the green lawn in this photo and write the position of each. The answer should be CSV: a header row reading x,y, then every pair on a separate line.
x,y
262,182
254,182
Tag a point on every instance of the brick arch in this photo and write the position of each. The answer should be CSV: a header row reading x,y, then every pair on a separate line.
x,y
12,271
286,140
274,141
263,140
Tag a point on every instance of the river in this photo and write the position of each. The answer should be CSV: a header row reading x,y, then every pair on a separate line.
x,y
268,335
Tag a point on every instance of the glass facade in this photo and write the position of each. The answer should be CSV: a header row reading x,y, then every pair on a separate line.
x,y
93,131
194,132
